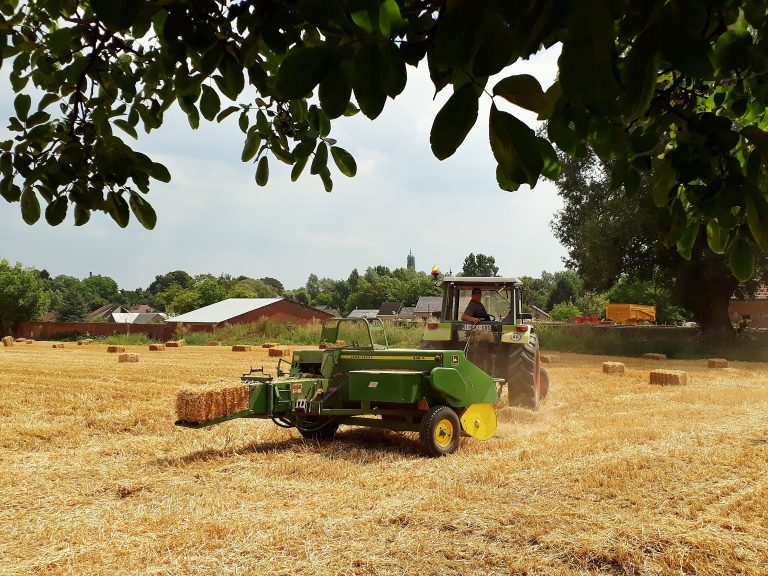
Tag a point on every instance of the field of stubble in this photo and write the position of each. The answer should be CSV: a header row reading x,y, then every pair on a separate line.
x,y
611,476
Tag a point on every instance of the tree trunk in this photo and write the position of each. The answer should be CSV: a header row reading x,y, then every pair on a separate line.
x,y
705,288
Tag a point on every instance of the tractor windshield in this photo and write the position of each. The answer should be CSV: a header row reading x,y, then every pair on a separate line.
x,y
354,333
496,301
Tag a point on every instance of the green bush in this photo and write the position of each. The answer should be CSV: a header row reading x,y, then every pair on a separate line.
x,y
564,312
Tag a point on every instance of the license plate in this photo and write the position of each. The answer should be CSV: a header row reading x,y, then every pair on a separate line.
x,y
477,327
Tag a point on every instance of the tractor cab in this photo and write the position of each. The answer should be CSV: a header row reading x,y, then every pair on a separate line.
x,y
502,298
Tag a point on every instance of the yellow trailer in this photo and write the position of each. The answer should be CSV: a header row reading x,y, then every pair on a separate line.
x,y
630,313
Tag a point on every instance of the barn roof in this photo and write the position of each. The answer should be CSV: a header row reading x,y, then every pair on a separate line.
x,y
390,308
363,313
429,304
224,310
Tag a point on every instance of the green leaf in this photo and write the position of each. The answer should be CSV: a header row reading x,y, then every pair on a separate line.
x,y
302,70
126,127
389,17
325,176
552,167
454,121
496,49
504,182
716,237
159,172
523,90
688,239
232,81
116,206
226,112
367,81
344,161
757,218
460,31
298,167
117,15
262,171
639,75
664,178
82,215
56,211
210,103
394,75
30,206
320,161
22,104
143,211
741,259
47,100
335,90
59,40
251,147
515,147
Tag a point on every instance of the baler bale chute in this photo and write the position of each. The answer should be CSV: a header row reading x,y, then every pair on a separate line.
x,y
357,379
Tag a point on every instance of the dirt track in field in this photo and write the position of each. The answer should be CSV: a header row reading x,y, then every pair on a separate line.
x,y
611,476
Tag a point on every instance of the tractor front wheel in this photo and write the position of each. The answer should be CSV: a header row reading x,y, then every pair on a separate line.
x,y
440,431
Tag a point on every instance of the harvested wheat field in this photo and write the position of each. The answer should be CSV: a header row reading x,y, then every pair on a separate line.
x,y
612,476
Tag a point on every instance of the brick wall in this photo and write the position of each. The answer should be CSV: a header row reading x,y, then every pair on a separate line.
x,y
50,330
756,309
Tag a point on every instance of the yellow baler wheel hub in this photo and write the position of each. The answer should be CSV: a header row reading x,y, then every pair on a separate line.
x,y
444,433
479,421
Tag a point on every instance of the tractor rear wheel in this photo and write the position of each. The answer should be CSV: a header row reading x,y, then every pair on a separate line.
x,y
440,431
524,384
324,433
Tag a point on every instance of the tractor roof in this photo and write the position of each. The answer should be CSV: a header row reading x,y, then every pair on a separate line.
x,y
480,282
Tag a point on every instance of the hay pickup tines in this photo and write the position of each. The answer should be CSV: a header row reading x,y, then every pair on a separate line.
x,y
437,393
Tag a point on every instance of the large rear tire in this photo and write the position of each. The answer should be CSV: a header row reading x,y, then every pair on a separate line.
x,y
524,383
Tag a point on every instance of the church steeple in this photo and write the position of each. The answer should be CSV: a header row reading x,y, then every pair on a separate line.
x,y
411,261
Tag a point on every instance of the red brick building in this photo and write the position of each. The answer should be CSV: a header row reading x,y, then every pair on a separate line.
x,y
247,310
754,311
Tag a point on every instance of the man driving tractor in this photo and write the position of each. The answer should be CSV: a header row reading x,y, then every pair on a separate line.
x,y
475,311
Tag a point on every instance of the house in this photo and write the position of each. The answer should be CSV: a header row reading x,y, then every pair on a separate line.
x,y
406,313
363,313
328,310
103,312
137,317
142,309
389,310
754,310
428,307
248,310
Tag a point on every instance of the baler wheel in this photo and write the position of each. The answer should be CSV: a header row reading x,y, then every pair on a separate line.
x,y
324,434
440,431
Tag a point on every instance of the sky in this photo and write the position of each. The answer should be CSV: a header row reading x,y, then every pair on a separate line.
x,y
213,218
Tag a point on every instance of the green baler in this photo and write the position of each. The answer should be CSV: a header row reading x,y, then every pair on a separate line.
x,y
359,381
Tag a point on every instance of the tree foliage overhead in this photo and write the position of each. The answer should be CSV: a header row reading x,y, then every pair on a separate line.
x,y
88,74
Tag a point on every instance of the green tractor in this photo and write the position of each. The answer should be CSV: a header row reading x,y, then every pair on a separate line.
x,y
357,379
504,346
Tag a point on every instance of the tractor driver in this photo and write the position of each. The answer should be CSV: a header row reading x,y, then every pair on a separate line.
x,y
475,311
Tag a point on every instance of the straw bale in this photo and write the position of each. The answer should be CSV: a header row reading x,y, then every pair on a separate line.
x,y
241,348
654,356
58,345
211,402
20,340
84,342
278,352
668,377
214,343
548,358
176,343
29,341
332,345
128,357
156,347
8,341
115,349
613,367
270,345
717,363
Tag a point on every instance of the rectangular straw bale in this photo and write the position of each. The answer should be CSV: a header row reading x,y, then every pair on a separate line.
x,y
241,348
20,340
176,344
613,367
7,341
270,345
156,347
58,345
84,342
717,363
548,358
115,349
668,377
211,402
129,357
278,352
654,356
214,343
